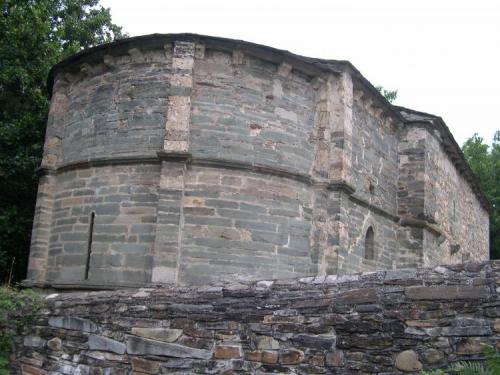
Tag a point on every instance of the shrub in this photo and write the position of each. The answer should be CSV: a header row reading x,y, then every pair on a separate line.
x,y
17,310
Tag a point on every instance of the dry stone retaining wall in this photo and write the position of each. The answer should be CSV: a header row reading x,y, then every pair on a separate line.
x,y
385,322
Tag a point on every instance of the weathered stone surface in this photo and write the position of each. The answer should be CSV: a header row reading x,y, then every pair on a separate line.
x,y
291,356
367,295
227,351
447,292
30,370
407,361
140,346
34,341
145,366
74,323
470,346
433,356
194,164
335,359
55,344
106,344
267,342
292,326
264,356
160,334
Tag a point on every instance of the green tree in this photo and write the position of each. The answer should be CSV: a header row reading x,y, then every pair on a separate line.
x,y
390,95
34,35
485,162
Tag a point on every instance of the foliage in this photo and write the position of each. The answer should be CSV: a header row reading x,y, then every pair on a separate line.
x,y
490,367
390,95
17,309
485,163
34,35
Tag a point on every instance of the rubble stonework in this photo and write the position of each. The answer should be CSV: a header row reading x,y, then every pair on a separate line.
x,y
191,160
388,322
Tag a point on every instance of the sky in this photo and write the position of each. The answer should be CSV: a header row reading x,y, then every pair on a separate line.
x,y
442,56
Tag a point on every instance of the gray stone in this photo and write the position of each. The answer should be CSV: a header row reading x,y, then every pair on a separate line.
x,y
55,344
73,323
140,346
106,344
407,361
34,341
160,334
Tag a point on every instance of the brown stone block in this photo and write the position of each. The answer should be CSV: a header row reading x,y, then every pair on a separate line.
x,y
144,366
470,346
254,356
269,357
446,292
30,370
496,325
422,323
264,356
291,357
227,351
356,296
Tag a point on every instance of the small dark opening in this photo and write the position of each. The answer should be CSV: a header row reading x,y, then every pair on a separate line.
x,y
370,244
89,245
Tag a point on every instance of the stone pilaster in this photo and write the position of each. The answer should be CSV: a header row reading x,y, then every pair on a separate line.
x,y
55,124
341,102
40,235
179,102
333,124
170,220
173,158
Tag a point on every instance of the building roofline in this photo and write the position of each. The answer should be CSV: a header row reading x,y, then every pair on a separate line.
x,y
307,64
310,65
451,148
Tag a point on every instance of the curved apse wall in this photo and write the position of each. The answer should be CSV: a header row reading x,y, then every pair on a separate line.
x,y
176,163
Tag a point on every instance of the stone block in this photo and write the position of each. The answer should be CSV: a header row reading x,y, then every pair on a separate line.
x,y
470,346
160,334
55,344
227,351
141,365
335,359
407,361
31,370
357,296
73,323
34,341
446,292
266,342
291,357
107,344
140,346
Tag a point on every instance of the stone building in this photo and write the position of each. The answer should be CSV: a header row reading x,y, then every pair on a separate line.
x,y
186,159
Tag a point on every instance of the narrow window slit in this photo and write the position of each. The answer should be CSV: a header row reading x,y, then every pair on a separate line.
x,y
370,244
89,245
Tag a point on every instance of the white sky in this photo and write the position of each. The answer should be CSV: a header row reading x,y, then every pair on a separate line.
x,y
442,56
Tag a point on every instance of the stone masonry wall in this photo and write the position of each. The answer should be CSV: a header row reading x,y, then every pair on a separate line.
x,y
118,107
374,171
386,322
249,110
240,225
124,200
449,200
204,160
